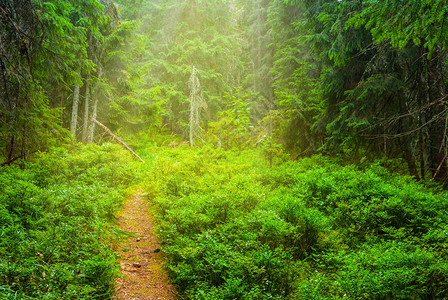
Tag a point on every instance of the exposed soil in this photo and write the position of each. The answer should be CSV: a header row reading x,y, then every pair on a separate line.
x,y
141,259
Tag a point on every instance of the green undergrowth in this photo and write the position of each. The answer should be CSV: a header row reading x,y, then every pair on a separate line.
x,y
234,228
55,219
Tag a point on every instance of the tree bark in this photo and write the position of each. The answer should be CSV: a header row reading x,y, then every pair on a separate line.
x,y
92,125
410,160
11,148
94,108
437,148
74,121
85,125
196,102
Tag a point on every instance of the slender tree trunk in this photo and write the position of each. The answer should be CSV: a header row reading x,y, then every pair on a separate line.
x,y
259,50
74,121
24,139
422,98
85,125
422,155
410,159
92,124
437,150
192,107
196,102
94,109
11,148
61,106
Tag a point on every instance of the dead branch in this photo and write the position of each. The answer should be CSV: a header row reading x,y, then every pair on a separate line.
x,y
117,138
440,166
10,161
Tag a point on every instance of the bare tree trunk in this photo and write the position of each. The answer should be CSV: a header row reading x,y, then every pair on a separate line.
x,y
192,107
409,158
11,148
74,121
85,125
61,116
92,125
196,103
437,130
422,153
94,108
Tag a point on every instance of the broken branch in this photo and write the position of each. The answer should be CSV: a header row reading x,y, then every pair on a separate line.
x,y
117,138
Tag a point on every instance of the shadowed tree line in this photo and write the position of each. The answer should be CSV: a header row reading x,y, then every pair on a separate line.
x,y
360,79
51,55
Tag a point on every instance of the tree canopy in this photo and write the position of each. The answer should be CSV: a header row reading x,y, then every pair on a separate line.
x,y
362,79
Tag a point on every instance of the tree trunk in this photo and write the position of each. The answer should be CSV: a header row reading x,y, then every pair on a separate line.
x,y
92,125
74,121
410,160
437,147
422,155
193,107
196,103
85,125
94,108
11,148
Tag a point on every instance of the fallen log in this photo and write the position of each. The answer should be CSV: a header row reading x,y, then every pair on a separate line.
x,y
117,138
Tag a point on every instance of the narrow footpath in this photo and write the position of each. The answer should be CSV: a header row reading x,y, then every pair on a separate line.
x,y
141,259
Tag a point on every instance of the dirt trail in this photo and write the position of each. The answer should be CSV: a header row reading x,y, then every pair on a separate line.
x,y
141,259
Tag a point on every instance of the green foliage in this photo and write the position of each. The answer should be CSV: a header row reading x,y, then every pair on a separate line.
x,y
309,229
270,148
173,37
352,78
233,126
418,22
55,216
358,78
297,72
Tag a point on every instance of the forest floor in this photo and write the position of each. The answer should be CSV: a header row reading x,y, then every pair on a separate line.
x,y
141,265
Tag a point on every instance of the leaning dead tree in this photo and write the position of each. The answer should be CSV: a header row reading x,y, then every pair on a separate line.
x,y
196,103
117,139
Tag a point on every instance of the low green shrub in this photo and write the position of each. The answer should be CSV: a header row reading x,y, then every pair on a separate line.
x,y
233,228
55,216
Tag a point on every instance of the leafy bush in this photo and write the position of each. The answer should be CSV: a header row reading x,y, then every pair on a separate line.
x,y
310,229
55,216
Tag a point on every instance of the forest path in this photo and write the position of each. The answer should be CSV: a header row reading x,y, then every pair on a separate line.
x,y
141,259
